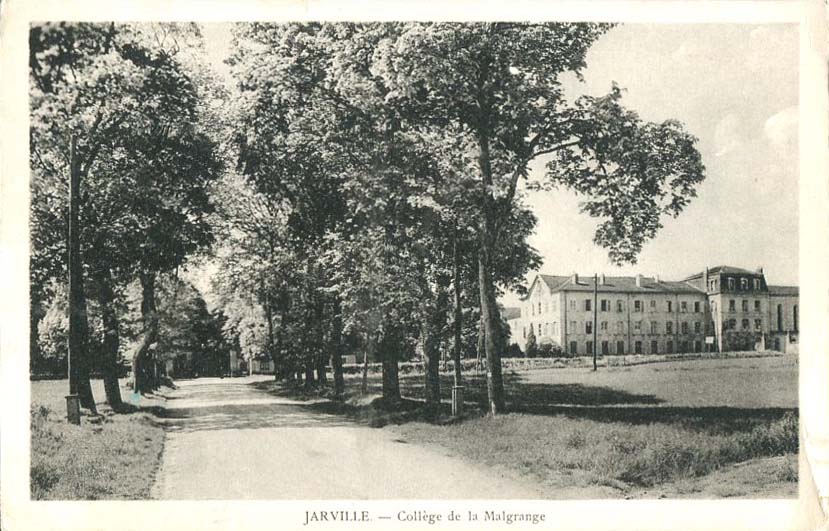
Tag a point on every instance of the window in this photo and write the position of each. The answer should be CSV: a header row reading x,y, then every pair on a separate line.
x,y
683,307
654,347
620,305
637,347
758,324
603,326
697,327
637,306
744,284
620,327
669,347
684,327
524,329
587,305
605,348
589,347
654,327
620,347
756,306
684,346
745,305
653,305
697,346
572,327
539,307
572,304
670,306
757,284
605,305
637,326
573,348
669,327
732,306
588,327
713,285
745,324
732,324
794,317
779,317
731,283
696,307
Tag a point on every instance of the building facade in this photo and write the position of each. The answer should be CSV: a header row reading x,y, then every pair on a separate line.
x,y
722,308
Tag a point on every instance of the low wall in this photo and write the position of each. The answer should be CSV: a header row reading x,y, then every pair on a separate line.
x,y
528,364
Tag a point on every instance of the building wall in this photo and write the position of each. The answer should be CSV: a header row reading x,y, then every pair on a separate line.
x,y
564,317
751,323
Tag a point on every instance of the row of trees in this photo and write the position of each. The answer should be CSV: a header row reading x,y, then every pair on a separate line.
x,y
119,111
381,164
360,185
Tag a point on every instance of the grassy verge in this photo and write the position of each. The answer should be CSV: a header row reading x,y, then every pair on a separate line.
x,y
109,456
558,450
624,431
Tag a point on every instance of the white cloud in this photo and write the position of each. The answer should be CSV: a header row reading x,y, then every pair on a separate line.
x,y
726,134
780,129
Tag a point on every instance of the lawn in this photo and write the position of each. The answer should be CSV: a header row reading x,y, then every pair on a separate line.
x,y
697,428
107,457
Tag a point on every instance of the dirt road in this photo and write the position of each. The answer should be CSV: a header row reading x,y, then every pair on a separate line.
x,y
227,439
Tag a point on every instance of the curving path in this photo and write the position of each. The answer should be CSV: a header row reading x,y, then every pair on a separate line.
x,y
228,439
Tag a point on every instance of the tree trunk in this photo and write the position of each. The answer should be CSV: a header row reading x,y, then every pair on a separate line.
x,y
109,318
309,377
269,317
435,322
322,351
391,382
368,349
142,360
337,355
457,321
78,321
489,310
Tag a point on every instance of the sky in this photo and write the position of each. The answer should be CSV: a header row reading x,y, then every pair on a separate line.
x,y
735,87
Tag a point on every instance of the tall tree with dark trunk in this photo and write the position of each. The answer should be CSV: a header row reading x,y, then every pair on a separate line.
x,y
498,85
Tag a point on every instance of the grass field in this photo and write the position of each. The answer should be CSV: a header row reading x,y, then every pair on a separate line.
x,y
106,457
697,428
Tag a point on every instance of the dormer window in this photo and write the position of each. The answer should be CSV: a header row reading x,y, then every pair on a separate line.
x,y
731,283
757,284
744,284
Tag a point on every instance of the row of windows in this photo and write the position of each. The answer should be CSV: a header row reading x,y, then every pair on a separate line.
x,y
638,347
745,324
548,329
744,306
745,285
605,305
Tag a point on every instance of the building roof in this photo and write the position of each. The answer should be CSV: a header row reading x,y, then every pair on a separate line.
x,y
784,290
724,269
614,284
510,313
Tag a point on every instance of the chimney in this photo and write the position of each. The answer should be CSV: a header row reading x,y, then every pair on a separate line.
x,y
601,279
760,270
638,280
705,278
575,278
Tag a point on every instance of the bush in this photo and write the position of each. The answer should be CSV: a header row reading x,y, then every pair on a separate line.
x,y
514,351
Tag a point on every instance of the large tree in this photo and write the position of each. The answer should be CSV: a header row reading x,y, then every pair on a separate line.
x,y
498,86
115,111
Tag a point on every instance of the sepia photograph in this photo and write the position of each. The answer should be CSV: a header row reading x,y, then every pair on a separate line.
x,y
354,260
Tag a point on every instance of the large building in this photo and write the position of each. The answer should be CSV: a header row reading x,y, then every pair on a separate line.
x,y
722,308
